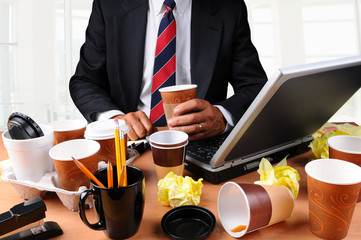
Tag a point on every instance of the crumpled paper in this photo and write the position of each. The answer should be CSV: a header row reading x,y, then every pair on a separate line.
x,y
319,145
280,175
175,191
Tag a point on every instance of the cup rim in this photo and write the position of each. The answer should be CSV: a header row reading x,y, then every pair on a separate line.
x,y
310,173
79,124
91,132
241,194
178,88
47,130
95,149
331,143
173,146
183,137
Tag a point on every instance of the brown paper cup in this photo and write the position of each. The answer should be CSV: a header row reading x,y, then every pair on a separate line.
x,y
103,133
168,150
333,189
70,176
65,130
253,206
174,95
346,147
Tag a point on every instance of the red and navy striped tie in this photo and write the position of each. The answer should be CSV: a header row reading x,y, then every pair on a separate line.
x,y
164,63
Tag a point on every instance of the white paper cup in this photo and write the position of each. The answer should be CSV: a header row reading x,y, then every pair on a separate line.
x,y
30,157
168,150
252,206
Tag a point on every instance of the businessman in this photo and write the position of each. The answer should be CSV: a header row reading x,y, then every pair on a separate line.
x,y
209,45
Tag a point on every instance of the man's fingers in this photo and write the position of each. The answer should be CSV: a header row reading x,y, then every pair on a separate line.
x,y
139,124
190,106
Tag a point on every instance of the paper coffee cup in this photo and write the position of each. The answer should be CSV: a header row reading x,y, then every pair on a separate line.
x,y
103,133
69,129
70,176
333,189
244,208
168,150
172,96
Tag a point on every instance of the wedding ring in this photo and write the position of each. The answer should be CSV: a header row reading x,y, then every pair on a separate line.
x,y
200,127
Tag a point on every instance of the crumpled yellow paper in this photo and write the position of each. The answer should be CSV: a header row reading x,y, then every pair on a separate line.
x,y
319,145
175,191
280,175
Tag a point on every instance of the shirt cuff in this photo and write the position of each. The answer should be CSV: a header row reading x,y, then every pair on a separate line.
x,y
108,114
227,115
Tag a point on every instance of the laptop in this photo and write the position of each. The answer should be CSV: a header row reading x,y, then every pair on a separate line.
x,y
292,105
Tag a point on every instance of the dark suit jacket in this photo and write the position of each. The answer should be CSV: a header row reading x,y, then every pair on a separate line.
x,y
110,69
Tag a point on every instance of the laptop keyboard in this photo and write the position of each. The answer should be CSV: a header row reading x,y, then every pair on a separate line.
x,y
204,149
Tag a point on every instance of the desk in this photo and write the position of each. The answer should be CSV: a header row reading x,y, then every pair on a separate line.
x,y
296,227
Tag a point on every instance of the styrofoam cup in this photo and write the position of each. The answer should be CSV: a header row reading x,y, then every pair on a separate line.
x,y
30,157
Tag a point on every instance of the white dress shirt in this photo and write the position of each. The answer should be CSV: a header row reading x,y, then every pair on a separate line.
x,y
182,14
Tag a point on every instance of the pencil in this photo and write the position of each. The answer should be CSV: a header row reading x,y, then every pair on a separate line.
x,y
87,172
117,150
123,157
110,175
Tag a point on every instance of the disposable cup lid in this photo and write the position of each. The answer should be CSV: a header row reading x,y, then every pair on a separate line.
x,y
104,129
21,126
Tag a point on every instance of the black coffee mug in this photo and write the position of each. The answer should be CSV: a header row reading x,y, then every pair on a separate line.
x,y
120,210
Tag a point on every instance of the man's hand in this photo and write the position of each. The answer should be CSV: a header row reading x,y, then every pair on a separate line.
x,y
198,118
139,124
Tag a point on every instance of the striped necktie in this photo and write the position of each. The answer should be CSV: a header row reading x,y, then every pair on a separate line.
x,y
164,63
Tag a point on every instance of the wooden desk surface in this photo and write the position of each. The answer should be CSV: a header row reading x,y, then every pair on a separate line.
x,y
296,227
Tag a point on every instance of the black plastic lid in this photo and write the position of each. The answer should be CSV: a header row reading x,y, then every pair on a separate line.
x,y
188,223
21,126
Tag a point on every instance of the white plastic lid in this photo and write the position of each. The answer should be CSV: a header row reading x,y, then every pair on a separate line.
x,y
104,129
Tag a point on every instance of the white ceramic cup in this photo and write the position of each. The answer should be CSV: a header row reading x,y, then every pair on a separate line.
x,y
30,157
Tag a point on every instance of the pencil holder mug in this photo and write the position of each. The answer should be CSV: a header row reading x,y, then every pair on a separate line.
x,y
119,209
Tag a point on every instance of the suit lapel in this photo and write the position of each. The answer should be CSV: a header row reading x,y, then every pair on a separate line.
x,y
130,29
206,32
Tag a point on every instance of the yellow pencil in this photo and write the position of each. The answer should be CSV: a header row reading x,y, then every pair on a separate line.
x,y
123,157
87,172
117,150
110,175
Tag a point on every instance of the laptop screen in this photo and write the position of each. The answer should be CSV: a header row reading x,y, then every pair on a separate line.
x,y
293,104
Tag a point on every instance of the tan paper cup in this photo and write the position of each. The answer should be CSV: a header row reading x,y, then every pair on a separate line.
x,y
174,95
168,149
253,206
333,189
30,157
65,130
346,147
70,176
103,133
